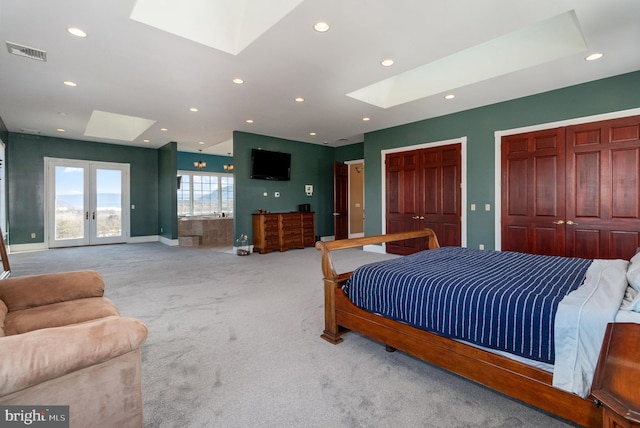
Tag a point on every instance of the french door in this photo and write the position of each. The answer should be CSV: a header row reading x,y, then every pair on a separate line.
x,y
88,202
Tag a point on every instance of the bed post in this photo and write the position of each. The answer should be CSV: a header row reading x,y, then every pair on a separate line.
x,y
331,331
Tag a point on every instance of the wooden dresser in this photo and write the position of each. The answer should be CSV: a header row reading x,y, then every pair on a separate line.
x,y
283,231
616,383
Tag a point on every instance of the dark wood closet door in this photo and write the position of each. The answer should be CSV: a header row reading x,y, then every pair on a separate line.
x,y
533,192
573,191
403,188
423,190
603,189
441,202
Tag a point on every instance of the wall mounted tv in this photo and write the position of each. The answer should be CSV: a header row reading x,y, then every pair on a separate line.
x,y
267,165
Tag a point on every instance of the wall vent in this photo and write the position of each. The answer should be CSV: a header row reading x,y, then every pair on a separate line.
x,y
26,51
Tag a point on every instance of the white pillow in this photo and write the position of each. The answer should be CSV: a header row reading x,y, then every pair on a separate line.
x,y
633,272
635,304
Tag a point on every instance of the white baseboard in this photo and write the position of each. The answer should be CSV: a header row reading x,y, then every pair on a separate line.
x,y
380,249
143,239
167,241
19,248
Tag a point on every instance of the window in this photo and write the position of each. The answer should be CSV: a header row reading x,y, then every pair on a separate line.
x,y
204,194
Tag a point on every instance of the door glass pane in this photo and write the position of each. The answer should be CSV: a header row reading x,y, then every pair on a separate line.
x,y
69,203
108,203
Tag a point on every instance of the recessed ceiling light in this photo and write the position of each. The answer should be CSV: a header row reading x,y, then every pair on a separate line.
x,y
145,141
60,130
299,100
449,97
366,119
70,83
386,62
193,109
321,27
594,56
249,120
76,32
164,129
312,134
238,81
201,142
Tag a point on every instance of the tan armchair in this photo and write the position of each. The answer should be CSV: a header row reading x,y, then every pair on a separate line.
x,y
63,343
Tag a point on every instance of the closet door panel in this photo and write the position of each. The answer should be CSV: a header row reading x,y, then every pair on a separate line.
x,y
533,192
603,188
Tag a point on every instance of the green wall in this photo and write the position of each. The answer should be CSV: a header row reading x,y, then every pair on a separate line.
x,y
310,164
478,125
168,191
215,163
350,152
25,177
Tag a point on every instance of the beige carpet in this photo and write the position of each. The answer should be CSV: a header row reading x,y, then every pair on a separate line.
x,y
235,342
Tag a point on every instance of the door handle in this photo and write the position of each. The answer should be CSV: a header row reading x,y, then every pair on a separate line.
x,y
94,215
86,215
571,223
415,217
421,217
336,214
559,222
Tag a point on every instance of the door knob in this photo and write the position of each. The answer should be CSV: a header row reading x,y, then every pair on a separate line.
x,y
559,222
571,223
415,217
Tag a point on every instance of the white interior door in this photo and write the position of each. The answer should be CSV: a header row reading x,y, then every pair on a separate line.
x,y
88,202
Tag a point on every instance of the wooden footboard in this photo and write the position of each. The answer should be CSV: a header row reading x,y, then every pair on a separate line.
x,y
518,380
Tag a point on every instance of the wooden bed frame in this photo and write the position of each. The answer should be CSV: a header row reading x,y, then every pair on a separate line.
x,y
518,380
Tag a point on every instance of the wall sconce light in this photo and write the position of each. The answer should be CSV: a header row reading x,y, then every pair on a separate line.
x,y
228,167
199,163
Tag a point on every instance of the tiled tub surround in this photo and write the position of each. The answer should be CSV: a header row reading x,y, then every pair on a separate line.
x,y
205,231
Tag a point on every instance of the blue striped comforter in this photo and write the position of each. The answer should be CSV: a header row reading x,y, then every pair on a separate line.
x,y
500,300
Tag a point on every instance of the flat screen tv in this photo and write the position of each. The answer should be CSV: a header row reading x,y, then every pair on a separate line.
x,y
267,165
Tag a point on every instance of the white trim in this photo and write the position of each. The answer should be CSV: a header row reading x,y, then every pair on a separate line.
x,y
167,241
20,248
539,127
463,180
380,249
143,239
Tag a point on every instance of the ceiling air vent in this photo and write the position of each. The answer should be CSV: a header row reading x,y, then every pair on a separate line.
x,y
26,51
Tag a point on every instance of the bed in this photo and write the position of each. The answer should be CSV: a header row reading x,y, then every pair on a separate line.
x,y
526,373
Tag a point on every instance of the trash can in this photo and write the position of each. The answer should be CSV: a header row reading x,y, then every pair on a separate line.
x,y
242,246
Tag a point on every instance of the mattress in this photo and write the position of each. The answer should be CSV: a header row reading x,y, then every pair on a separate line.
x,y
549,311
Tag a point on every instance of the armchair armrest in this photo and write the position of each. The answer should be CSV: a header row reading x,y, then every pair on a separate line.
x,y
37,290
32,358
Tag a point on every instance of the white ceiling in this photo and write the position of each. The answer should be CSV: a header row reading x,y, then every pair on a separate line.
x,y
133,78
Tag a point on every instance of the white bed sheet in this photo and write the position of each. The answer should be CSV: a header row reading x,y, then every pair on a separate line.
x,y
581,321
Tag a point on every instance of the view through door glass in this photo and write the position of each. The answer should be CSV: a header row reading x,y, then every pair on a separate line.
x,y
69,203
108,214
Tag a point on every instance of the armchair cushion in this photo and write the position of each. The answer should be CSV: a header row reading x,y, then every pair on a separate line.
x,y
31,358
37,290
58,314
3,314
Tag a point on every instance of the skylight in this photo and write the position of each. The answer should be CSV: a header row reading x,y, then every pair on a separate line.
x,y
554,38
226,25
